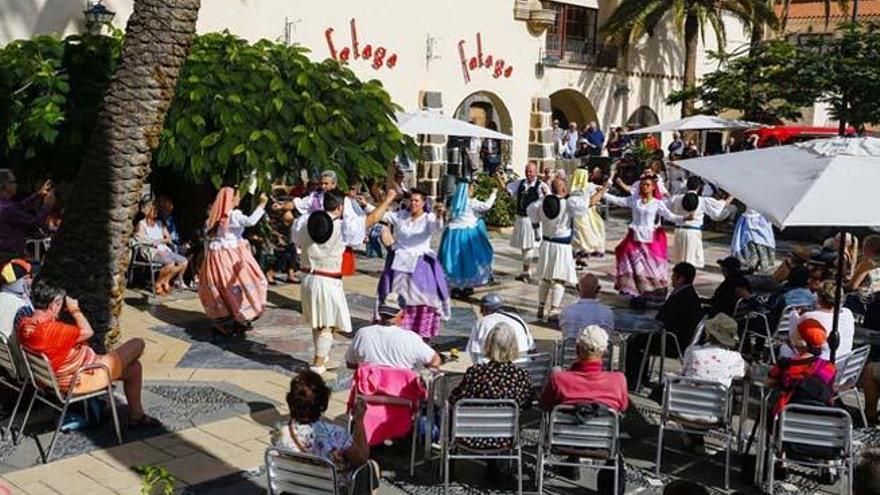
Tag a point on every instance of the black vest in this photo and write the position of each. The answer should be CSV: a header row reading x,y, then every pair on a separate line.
x,y
526,196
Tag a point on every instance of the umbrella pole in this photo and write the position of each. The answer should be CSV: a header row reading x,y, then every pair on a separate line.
x,y
834,337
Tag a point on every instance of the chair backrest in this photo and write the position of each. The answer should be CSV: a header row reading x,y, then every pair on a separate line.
x,y
698,332
594,436
41,373
784,326
7,362
567,354
297,473
849,369
539,366
696,398
485,418
828,427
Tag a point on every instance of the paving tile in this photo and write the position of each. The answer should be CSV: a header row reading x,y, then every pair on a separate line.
x,y
197,468
205,442
36,489
235,430
70,482
131,455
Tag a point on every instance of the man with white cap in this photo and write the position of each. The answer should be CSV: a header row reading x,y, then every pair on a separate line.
x,y
387,344
493,313
322,236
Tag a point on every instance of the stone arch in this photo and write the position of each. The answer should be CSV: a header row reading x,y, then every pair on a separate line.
x,y
569,105
643,116
483,107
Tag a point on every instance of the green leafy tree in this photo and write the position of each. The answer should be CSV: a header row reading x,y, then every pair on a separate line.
x,y
264,109
502,212
634,19
768,84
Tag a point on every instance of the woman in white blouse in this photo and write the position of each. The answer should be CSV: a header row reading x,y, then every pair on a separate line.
x,y
154,236
413,270
641,257
465,251
233,287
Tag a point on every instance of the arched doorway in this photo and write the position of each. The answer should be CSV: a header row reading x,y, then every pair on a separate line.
x,y
484,108
569,105
642,117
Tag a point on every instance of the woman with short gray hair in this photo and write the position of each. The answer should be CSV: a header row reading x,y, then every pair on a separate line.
x,y
497,378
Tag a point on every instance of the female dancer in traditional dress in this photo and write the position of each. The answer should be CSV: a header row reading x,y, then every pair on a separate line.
x,y
589,230
753,242
641,257
232,286
465,251
413,271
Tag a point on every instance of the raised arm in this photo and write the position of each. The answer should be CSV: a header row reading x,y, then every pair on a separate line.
x,y
256,215
483,206
376,215
623,202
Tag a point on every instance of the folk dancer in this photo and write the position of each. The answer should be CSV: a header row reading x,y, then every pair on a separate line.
x,y
753,242
526,234
323,236
555,258
589,229
232,286
641,257
688,244
412,268
465,251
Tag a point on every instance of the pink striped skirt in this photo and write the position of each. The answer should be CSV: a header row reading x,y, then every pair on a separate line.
x,y
231,284
642,267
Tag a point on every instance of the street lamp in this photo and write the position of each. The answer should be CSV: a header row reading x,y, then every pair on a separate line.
x,y
97,15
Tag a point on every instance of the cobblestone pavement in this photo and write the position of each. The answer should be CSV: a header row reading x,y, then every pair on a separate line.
x,y
219,397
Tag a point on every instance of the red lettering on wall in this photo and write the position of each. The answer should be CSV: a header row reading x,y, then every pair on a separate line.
x,y
482,60
377,55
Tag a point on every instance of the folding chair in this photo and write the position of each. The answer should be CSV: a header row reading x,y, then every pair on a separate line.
x,y
538,365
849,370
564,433
297,473
141,257
745,316
396,401
46,389
16,381
811,427
483,418
697,406
698,332
648,357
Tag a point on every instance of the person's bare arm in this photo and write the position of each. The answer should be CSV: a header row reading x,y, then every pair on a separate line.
x,y
434,362
861,271
376,215
359,453
85,329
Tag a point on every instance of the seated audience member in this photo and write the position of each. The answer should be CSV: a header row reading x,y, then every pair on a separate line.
x,y
805,378
492,309
152,231
866,479
585,381
497,378
307,433
387,344
15,304
824,314
865,281
587,311
794,292
717,359
18,218
66,346
680,314
734,287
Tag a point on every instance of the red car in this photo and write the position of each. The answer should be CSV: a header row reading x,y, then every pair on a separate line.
x,y
788,134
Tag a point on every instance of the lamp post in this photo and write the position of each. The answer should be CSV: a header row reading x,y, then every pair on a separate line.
x,y
97,14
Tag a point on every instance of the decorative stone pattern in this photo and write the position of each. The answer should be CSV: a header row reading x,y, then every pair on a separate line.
x,y
540,134
432,157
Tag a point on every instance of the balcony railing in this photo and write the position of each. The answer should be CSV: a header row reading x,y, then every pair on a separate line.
x,y
590,54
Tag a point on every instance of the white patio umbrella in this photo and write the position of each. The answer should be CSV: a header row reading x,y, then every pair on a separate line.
x,y
698,123
825,182
426,122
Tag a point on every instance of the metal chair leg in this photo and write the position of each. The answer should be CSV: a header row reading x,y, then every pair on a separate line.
x,y
659,448
115,414
539,467
727,462
861,407
771,461
415,436
446,472
647,351
617,475
519,477
8,430
48,455
27,414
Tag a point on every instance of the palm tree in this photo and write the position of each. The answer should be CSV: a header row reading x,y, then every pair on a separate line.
x,y
89,256
634,19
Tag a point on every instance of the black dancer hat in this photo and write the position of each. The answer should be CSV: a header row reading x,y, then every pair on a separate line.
x,y
690,201
320,226
551,206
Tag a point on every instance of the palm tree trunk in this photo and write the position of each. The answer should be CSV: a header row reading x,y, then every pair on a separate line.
x,y
691,33
89,256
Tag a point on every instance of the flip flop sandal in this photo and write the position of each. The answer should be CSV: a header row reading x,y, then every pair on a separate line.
x,y
144,421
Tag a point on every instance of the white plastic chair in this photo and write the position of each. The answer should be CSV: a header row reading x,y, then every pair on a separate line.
x,y
47,391
811,427
697,407
564,433
483,418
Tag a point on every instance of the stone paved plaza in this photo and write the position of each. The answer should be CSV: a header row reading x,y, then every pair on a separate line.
x,y
219,398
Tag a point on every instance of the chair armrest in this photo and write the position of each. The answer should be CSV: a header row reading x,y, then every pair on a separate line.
x,y
86,368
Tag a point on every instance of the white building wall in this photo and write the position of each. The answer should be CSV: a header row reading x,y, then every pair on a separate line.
x,y
653,69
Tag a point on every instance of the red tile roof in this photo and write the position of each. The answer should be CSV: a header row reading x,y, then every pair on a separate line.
x,y
802,11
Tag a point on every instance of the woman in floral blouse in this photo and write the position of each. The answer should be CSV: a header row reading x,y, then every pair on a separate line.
x,y
499,378
307,433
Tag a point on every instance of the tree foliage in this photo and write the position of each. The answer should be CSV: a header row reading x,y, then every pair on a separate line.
x,y
776,80
50,90
242,110
502,213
